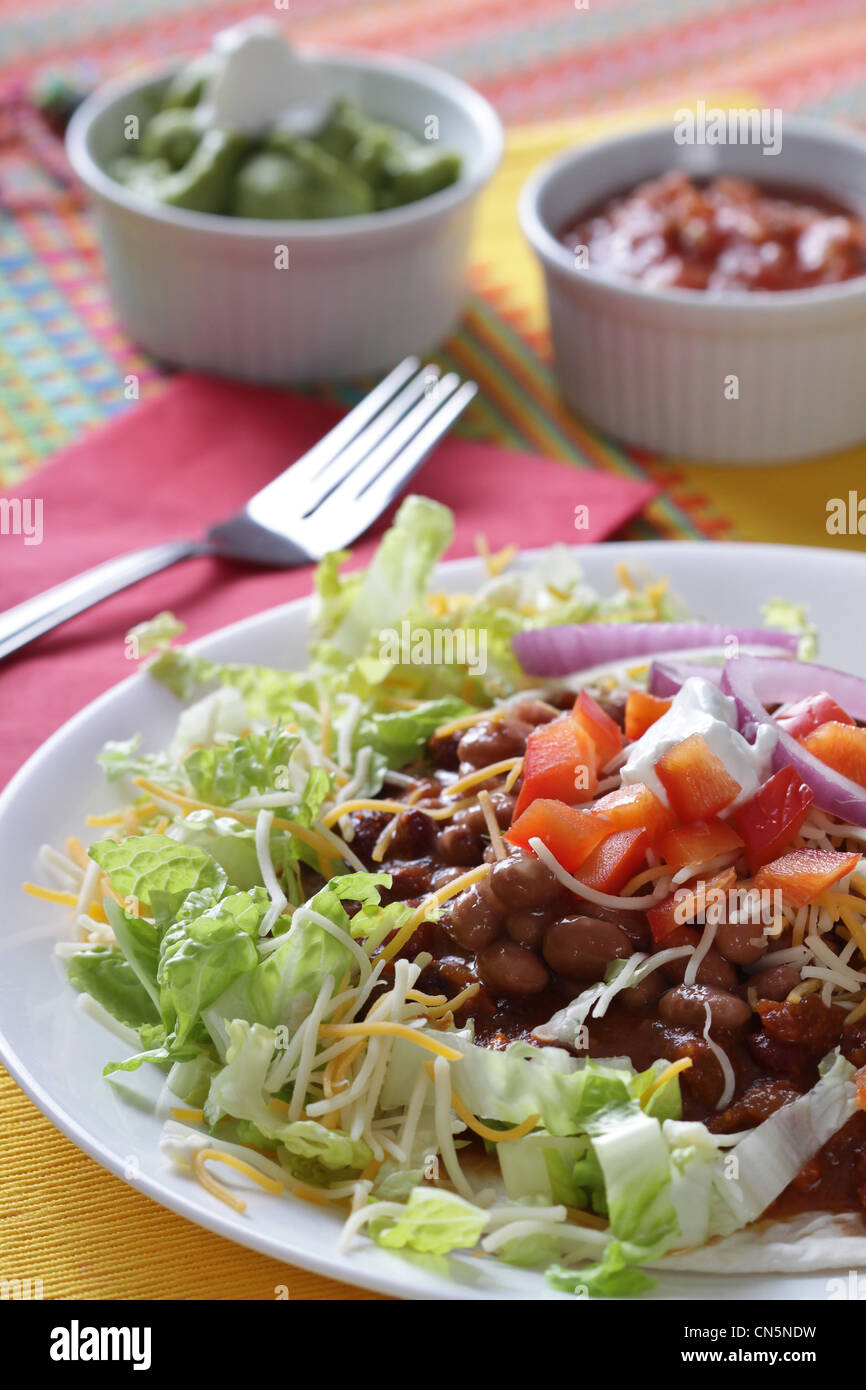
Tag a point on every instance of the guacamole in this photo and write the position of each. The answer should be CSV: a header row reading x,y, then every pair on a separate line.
x,y
352,164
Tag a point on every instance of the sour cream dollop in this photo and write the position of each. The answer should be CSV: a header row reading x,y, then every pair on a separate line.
x,y
701,708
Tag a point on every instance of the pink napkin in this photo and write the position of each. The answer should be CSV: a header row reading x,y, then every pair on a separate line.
x,y
193,455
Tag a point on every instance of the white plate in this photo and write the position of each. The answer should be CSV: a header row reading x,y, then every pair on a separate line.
x,y
56,1052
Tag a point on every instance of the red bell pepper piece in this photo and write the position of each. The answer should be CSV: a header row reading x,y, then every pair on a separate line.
x,y
568,832
840,746
805,873
635,807
698,842
697,782
614,861
641,711
801,718
687,902
771,818
605,733
559,764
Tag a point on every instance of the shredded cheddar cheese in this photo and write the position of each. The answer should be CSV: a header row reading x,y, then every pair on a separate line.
x,y
483,774
391,1030
667,1075
216,1188
441,895
188,803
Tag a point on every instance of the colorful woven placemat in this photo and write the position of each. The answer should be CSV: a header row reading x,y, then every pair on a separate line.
x,y
63,362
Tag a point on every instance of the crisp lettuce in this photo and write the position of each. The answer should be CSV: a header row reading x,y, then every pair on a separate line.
x,y
433,1222
212,942
123,758
143,864
106,975
246,766
307,1148
231,844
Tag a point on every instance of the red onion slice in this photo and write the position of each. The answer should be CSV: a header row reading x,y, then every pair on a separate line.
x,y
666,678
573,647
757,681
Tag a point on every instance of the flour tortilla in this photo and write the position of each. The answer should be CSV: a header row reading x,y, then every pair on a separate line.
x,y
806,1243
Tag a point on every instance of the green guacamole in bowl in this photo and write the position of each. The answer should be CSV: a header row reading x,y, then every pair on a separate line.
x,y
351,164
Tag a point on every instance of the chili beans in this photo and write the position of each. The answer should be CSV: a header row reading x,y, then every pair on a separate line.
x,y
506,968
713,970
685,1007
491,740
522,881
459,844
414,834
645,993
527,927
775,983
477,917
740,942
583,947
533,712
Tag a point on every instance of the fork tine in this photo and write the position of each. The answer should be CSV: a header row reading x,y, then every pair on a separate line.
x,y
381,491
380,429
310,465
355,505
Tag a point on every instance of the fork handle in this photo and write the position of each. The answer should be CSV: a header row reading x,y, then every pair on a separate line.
x,y
30,619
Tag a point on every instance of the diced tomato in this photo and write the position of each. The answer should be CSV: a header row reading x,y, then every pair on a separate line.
x,y
604,731
805,873
840,746
560,763
801,718
569,833
641,711
636,807
771,818
697,782
698,842
687,902
617,859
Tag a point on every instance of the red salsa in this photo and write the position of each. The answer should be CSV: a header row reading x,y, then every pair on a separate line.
x,y
723,235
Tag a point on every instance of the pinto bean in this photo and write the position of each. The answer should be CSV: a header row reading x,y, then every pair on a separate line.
x,y
414,834
713,970
506,968
644,994
527,927
410,879
459,844
776,982
522,881
533,712
476,919
736,941
443,751
446,874
685,1007
491,740
583,947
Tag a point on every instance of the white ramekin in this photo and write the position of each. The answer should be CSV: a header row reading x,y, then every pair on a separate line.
x,y
651,366
202,291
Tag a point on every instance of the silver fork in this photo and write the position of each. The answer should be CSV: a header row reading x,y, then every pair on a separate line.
x,y
326,499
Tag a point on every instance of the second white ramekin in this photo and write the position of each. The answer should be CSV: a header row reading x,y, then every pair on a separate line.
x,y
214,293
735,378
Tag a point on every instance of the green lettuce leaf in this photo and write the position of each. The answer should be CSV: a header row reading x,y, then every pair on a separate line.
x,y
432,1222
247,766
104,973
120,759
143,864
212,942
